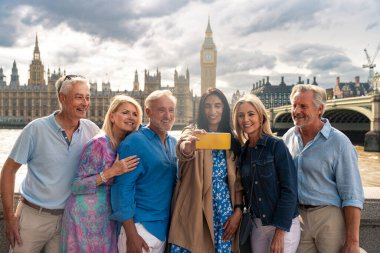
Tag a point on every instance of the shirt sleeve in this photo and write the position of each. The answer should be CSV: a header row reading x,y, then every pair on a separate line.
x,y
23,148
287,177
348,178
91,162
123,188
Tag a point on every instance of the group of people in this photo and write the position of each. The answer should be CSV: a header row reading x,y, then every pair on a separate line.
x,y
134,188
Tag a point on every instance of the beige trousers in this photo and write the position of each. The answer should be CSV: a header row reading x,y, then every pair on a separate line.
x,y
322,230
37,230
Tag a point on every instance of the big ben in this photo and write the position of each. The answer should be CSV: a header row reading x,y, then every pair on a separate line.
x,y
208,61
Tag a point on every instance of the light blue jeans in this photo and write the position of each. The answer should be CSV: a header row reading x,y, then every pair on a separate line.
x,y
261,237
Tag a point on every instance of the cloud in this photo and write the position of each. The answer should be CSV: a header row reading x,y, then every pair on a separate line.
x,y
241,60
283,15
111,39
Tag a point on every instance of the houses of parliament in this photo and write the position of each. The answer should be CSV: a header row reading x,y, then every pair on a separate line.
x,y
20,104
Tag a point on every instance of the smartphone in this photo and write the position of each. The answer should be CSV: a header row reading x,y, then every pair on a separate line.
x,y
214,141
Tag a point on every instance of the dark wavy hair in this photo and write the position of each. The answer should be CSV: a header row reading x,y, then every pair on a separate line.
x,y
225,122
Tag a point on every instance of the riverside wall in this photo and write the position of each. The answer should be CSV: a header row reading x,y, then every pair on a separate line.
x,y
369,225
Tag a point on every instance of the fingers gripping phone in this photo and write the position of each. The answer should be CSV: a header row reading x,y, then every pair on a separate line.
x,y
213,141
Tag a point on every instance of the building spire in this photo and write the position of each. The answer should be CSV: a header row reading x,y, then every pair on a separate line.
x,y
208,42
36,49
208,29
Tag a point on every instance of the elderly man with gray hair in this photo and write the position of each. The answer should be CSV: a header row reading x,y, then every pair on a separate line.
x,y
141,198
330,192
50,147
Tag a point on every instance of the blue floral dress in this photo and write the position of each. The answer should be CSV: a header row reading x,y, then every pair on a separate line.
x,y
221,203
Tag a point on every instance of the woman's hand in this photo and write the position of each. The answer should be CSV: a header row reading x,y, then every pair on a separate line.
x,y
188,145
277,245
231,225
122,166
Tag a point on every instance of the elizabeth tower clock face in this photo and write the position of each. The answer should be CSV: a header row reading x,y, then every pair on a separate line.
x,y
208,57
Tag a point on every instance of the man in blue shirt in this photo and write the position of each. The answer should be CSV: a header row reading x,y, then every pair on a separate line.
x,y
51,147
330,192
141,198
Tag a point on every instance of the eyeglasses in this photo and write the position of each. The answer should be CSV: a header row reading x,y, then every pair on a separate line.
x,y
69,77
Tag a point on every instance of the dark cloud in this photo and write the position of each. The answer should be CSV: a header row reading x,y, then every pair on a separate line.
x,y
302,53
279,15
328,62
373,25
120,20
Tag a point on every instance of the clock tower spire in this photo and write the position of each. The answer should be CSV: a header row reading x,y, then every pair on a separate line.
x,y
208,61
36,68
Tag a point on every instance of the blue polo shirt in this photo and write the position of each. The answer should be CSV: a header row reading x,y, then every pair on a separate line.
x,y
145,193
51,162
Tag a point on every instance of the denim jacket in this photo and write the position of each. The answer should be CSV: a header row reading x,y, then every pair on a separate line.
x,y
269,166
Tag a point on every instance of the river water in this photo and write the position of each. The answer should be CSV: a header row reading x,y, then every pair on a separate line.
x,y
369,162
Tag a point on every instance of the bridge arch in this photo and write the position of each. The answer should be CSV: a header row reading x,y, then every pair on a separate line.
x,y
353,119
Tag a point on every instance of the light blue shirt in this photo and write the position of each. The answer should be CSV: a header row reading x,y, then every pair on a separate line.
x,y
327,168
145,193
51,162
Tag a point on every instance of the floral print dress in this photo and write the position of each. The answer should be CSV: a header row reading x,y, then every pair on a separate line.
x,y
221,203
85,224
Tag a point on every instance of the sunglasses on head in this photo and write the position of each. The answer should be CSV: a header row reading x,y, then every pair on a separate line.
x,y
69,77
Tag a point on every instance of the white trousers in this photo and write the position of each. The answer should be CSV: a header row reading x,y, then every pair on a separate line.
x,y
261,237
155,245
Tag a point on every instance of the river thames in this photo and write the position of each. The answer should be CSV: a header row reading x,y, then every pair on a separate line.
x,y
369,162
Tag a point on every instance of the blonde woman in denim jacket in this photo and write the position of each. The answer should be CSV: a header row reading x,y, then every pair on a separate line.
x,y
269,179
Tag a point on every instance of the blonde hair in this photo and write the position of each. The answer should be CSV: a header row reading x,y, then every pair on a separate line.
x,y
116,102
158,94
319,95
261,111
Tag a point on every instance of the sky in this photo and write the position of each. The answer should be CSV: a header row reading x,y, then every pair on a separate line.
x,y
109,40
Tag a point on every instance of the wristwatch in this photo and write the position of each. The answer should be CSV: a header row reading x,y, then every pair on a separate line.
x,y
241,206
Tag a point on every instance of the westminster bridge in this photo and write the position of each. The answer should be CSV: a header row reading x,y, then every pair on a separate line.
x,y
354,114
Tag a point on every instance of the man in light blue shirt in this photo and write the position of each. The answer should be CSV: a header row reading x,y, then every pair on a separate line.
x,y
51,147
330,192
141,198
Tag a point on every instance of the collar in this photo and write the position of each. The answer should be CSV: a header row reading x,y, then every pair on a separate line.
x,y
325,131
150,133
261,142
54,124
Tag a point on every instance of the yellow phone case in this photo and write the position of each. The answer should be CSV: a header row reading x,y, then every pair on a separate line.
x,y
214,141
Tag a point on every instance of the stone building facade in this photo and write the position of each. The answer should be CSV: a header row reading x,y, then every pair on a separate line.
x,y
20,104
272,95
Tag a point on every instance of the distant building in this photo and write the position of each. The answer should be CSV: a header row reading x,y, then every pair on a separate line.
x,y
271,95
351,89
20,104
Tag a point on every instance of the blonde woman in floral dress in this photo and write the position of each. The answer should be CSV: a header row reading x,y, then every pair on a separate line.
x,y
86,226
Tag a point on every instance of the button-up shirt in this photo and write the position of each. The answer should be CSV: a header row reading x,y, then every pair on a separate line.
x,y
327,168
145,193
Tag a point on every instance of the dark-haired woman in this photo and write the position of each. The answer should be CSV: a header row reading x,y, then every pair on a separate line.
x,y
208,196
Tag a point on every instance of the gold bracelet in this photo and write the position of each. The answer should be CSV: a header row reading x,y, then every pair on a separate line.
x,y
104,180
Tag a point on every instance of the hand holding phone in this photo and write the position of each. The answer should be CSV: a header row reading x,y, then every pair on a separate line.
x,y
219,141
